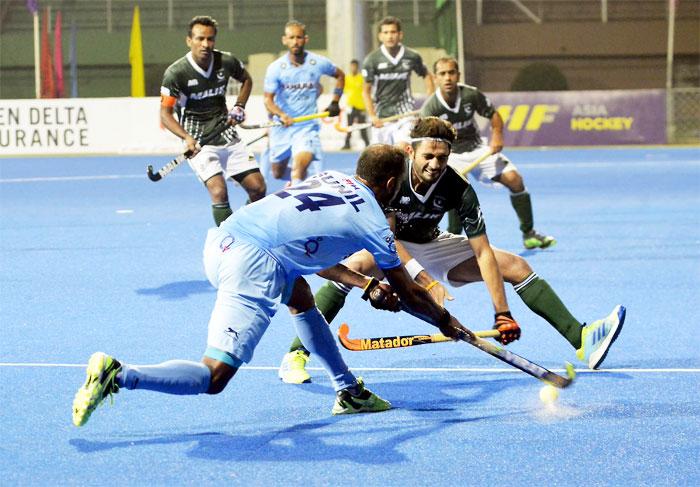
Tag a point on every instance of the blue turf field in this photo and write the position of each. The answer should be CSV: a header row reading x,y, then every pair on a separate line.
x,y
96,257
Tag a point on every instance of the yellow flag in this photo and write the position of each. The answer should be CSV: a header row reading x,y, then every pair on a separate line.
x,y
138,81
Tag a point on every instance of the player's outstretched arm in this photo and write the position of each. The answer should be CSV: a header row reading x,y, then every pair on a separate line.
x,y
418,302
380,295
420,275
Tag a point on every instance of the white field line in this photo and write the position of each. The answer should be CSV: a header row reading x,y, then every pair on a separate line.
x,y
484,370
528,165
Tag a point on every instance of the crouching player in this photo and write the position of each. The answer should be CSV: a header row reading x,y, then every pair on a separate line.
x,y
257,260
429,189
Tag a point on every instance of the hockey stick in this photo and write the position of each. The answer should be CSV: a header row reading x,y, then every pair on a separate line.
x,y
360,126
475,163
170,167
403,341
303,118
530,368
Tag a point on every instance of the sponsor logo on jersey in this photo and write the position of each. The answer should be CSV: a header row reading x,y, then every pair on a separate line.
x,y
382,65
220,74
404,200
312,245
299,86
393,76
192,82
406,64
218,91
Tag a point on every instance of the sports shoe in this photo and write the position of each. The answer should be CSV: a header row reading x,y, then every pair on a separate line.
x,y
101,372
365,401
293,368
597,337
534,240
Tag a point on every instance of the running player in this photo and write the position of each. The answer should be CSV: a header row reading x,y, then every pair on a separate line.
x,y
387,87
195,84
292,86
458,104
257,260
429,189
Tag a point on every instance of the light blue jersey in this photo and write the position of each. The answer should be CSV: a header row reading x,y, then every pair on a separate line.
x,y
316,224
296,88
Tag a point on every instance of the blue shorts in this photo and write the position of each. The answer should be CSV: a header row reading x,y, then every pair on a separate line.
x,y
287,142
251,284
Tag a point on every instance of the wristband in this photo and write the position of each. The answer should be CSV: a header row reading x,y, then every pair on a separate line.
x,y
338,91
239,104
373,282
413,268
502,313
431,285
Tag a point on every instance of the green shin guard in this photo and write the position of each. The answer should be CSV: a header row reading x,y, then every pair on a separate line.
x,y
220,211
329,300
542,299
522,205
454,224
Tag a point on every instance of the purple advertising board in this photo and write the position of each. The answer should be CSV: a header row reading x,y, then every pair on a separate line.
x,y
538,118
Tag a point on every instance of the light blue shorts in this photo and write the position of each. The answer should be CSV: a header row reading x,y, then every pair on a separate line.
x,y
287,142
251,284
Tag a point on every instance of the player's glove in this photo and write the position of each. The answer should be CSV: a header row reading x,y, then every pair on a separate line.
x,y
237,114
381,296
507,327
333,109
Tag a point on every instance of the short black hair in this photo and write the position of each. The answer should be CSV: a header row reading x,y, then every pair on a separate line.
x,y
379,162
202,20
434,128
295,23
390,21
354,61
445,59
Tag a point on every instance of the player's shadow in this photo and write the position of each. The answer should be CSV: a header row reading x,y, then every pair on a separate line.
x,y
342,438
178,290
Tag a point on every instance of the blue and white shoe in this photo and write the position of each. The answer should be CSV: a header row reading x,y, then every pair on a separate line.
x,y
597,337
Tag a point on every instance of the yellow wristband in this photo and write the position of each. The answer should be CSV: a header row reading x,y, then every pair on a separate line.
x,y
431,285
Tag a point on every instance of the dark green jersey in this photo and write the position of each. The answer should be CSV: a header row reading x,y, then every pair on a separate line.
x,y
469,101
391,79
418,216
201,94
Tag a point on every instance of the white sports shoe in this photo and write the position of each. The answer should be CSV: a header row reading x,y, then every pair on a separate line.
x,y
597,337
293,368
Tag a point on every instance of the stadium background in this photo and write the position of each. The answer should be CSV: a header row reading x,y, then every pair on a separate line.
x,y
593,44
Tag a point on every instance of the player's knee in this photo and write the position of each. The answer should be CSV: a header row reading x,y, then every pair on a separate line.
x,y
520,269
513,181
221,374
257,191
362,262
277,171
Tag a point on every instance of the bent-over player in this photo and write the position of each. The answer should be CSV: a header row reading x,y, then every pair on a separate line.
x,y
458,103
257,260
196,85
430,188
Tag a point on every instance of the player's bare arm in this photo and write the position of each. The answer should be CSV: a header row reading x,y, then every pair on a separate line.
x,y
429,83
369,104
273,109
167,118
490,272
333,108
496,139
418,302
